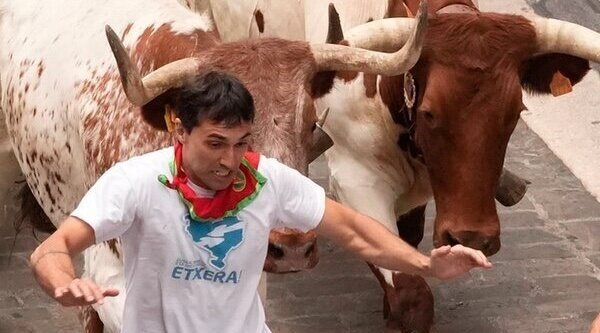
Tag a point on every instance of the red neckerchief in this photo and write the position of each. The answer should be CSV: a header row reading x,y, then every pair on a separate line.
x,y
228,202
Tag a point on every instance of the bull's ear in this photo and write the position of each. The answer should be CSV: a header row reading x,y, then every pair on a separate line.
x,y
154,111
553,73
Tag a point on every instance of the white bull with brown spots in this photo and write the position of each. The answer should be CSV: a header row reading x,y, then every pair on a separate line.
x,y
69,120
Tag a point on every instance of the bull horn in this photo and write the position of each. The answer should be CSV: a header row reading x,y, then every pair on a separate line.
x,y
331,57
321,140
335,34
556,36
141,91
385,35
511,188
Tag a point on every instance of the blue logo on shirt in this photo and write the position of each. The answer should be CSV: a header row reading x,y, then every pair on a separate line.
x,y
217,238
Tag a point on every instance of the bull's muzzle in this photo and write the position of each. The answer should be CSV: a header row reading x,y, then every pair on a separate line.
x,y
291,251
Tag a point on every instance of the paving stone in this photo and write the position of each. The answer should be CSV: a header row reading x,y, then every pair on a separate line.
x,y
512,238
519,219
23,243
369,321
567,204
595,260
8,302
330,268
319,323
502,289
18,261
474,324
27,297
562,303
585,233
537,268
350,285
448,311
538,251
326,304
570,285
14,280
562,323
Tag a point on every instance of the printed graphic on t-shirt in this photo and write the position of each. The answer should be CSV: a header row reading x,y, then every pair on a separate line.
x,y
218,238
194,270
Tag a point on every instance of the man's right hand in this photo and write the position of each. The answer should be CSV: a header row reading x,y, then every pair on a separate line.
x,y
82,292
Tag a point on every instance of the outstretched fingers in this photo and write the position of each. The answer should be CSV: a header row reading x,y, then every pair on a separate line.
x,y
477,258
83,292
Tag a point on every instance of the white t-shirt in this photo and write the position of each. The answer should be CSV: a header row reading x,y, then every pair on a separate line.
x,y
199,277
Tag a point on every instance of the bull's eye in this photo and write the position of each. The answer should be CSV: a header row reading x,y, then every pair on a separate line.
x,y
428,115
275,122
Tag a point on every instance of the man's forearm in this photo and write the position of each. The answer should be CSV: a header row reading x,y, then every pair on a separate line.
x,y
52,267
371,240
379,246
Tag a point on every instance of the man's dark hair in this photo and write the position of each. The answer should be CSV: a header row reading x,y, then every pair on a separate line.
x,y
215,96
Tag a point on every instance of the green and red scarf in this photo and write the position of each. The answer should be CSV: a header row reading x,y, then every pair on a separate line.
x,y
228,202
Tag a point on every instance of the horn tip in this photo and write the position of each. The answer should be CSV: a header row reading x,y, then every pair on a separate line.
x,y
334,31
109,31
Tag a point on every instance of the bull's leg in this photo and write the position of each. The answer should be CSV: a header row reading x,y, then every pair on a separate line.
x,y
103,264
90,320
408,301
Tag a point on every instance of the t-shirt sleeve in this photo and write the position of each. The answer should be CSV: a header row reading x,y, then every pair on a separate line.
x,y
301,202
109,206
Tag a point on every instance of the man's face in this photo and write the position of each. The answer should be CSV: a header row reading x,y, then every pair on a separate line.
x,y
212,152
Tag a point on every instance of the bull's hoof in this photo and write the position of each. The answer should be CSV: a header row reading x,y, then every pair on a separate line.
x,y
408,305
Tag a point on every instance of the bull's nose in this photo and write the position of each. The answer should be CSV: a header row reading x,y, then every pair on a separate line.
x,y
275,251
487,244
279,252
310,250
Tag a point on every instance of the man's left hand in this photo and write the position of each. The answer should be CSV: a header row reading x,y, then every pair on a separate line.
x,y
451,262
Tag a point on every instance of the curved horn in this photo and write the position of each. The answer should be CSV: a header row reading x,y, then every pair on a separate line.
x,y
385,35
556,36
342,58
141,91
321,140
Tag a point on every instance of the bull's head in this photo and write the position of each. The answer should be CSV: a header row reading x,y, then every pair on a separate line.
x,y
468,99
284,77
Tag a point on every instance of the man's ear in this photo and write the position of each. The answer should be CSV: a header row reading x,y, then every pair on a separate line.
x,y
178,131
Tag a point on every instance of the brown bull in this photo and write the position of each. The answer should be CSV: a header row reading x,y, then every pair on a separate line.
x,y
454,114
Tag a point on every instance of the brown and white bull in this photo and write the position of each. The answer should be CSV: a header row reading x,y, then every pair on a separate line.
x,y
69,120
389,159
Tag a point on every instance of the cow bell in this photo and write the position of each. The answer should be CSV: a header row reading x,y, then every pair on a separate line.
x,y
511,188
320,139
